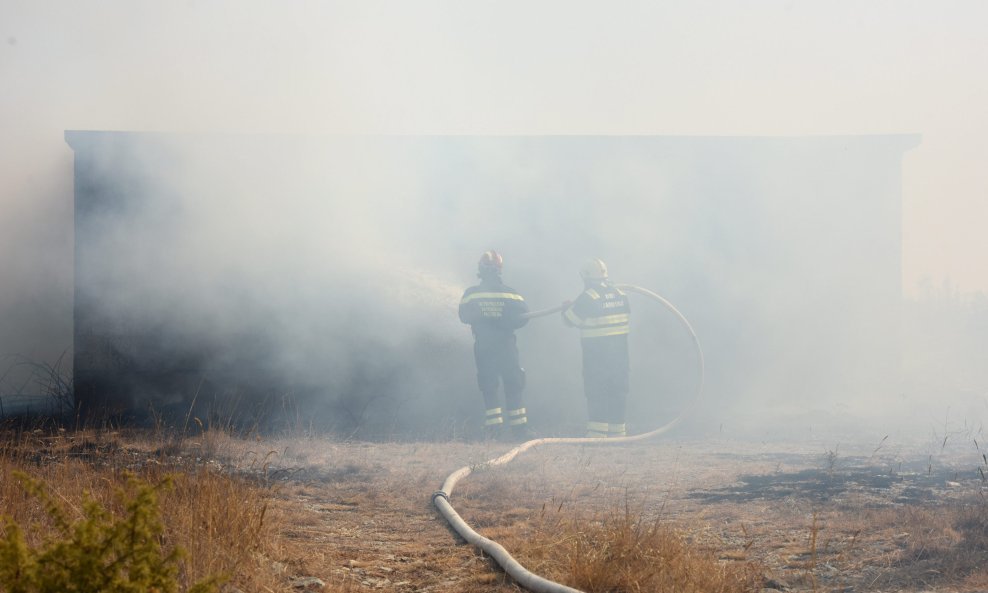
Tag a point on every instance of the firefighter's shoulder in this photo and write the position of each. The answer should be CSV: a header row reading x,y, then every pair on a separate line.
x,y
514,294
469,291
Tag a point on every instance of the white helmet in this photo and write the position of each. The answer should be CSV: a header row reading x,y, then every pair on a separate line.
x,y
593,269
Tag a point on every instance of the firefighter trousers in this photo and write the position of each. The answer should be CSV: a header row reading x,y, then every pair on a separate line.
x,y
606,378
497,364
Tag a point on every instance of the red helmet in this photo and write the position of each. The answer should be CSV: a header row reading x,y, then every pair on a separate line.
x,y
490,262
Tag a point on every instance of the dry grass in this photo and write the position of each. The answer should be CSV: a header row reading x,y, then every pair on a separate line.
x,y
861,539
222,518
622,550
946,545
599,539
358,516
265,511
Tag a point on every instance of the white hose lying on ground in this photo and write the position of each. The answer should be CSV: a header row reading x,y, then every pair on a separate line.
x,y
515,570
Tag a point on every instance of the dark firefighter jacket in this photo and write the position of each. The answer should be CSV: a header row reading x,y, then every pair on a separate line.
x,y
600,311
492,309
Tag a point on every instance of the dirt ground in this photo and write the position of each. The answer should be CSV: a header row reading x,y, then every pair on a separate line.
x,y
815,515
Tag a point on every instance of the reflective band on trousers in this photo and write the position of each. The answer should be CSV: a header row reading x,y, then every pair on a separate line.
x,y
597,427
493,417
617,429
517,416
491,295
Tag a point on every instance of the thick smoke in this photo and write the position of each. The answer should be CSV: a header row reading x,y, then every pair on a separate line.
x,y
281,244
328,269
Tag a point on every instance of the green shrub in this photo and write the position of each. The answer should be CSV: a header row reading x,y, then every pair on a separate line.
x,y
98,553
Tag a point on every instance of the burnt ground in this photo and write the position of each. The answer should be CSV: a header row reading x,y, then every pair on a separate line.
x,y
814,516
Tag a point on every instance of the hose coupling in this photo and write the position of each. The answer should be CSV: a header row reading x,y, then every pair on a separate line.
x,y
439,494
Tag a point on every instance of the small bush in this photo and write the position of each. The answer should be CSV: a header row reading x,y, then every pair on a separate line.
x,y
98,553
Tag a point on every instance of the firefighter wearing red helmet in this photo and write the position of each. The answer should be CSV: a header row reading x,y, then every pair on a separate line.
x,y
494,311
603,316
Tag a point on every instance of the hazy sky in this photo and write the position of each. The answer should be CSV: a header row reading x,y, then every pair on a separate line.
x,y
504,67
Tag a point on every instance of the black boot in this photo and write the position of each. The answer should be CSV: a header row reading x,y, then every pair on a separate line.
x,y
493,432
521,433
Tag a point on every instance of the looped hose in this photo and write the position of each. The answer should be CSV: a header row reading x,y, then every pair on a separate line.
x,y
514,569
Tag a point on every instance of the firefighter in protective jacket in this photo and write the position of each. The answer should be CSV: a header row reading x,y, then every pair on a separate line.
x,y
603,315
494,311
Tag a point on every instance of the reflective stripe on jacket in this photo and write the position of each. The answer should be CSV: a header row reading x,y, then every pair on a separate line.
x,y
600,311
492,307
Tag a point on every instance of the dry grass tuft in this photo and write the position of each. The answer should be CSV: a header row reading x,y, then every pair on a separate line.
x,y
950,543
623,551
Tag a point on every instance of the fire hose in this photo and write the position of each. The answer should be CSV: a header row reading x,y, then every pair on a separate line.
x,y
512,567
